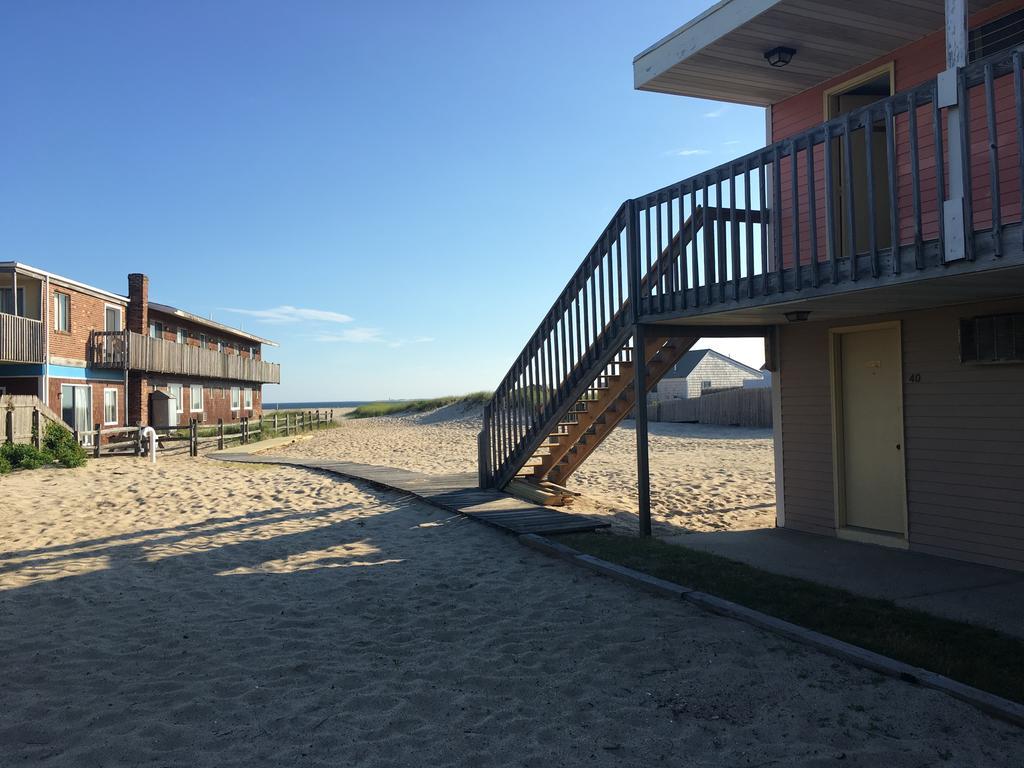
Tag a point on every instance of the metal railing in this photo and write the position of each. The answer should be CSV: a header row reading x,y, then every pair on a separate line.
x,y
859,197
22,340
132,351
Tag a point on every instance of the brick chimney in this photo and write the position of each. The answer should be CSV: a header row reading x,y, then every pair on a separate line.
x,y
138,303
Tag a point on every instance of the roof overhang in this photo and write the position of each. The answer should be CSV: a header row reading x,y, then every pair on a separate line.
x,y
720,54
199,320
42,274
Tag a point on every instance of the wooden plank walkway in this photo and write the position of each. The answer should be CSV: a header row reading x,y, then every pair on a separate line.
x,y
456,493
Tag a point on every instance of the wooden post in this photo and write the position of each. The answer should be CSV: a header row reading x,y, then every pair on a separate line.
x,y
193,437
96,444
245,430
275,423
957,229
220,434
37,429
9,426
643,473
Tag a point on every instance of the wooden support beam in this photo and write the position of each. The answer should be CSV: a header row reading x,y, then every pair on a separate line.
x,y
643,471
707,331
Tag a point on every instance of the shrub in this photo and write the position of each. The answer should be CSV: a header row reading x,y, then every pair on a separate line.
x,y
61,444
25,456
5,466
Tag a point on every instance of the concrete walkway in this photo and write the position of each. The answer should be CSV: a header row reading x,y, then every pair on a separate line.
x,y
978,594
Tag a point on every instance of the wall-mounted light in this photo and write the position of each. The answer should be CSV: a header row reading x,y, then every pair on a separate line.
x,y
797,316
780,57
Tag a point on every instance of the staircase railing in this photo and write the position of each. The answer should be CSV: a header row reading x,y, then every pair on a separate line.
x,y
586,327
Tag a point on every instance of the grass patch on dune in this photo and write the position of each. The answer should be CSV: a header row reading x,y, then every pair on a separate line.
x,y
395,407
978,656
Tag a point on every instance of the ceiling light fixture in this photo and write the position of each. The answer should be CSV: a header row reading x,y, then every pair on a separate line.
x,y
780,57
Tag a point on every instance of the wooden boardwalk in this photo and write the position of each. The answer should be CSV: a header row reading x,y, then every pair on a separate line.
x,y
456,493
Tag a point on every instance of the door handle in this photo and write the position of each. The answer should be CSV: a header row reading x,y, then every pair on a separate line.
x,y
897,446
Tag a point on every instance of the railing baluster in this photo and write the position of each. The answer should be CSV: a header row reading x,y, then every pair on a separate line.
x,y
610,276
709,246
794,183
1018,95
849,225
915,183
894,191
749,231
602,278
720,246
680,287
670,274
869,168
812,212
593,305
694,245
993,162
618,267
658,263
734,236
650,258
762,194
777,216
940,173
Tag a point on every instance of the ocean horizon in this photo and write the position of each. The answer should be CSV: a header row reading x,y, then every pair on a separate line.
x,y
316,404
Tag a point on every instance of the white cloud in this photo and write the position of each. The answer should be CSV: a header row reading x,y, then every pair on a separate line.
x,y
730,143
289,314
716,112
688,152
352,336
367,336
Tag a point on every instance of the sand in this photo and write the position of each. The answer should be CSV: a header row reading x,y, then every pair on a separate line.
x,y
703,478
208,614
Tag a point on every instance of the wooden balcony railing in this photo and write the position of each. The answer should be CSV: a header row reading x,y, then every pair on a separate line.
x,y
136,352
21,339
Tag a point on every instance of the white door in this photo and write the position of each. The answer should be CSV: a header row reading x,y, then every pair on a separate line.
x,y
76,409
870,417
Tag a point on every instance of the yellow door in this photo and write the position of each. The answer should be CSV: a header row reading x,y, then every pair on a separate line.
x,y
871,409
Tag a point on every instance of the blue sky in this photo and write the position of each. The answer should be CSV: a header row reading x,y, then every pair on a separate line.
x,y
395,191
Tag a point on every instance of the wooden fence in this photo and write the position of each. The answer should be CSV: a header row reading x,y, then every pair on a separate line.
x,y
192,437
25,419
735,407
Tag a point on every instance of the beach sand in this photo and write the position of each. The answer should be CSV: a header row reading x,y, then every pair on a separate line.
x,y
703,478
199,613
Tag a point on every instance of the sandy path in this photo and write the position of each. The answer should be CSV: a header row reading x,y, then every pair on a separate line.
x,y
204,614
703,478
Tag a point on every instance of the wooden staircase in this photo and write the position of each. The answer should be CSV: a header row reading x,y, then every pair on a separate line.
x,y
607,402
574,380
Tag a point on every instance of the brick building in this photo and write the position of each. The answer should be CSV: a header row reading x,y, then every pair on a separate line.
x,y
97,356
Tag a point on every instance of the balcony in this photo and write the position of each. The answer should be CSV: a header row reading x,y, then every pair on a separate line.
x,y
126,350
22,339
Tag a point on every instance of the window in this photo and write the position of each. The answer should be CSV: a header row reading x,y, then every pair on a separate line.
x,y
252,352
181,336
195,393
705,385
109,406
7,301
61,312
202,340
220,345
234,398
156,330
174,390
992,339
248,399
1000,35
111,318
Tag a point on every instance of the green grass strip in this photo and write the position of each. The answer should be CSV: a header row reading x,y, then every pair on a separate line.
x,y
977,656
393,407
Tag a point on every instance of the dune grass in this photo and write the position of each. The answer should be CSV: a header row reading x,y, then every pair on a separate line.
x,y
978,656
395,407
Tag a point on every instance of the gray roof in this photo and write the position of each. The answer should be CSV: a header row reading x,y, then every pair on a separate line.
x,y
692,359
